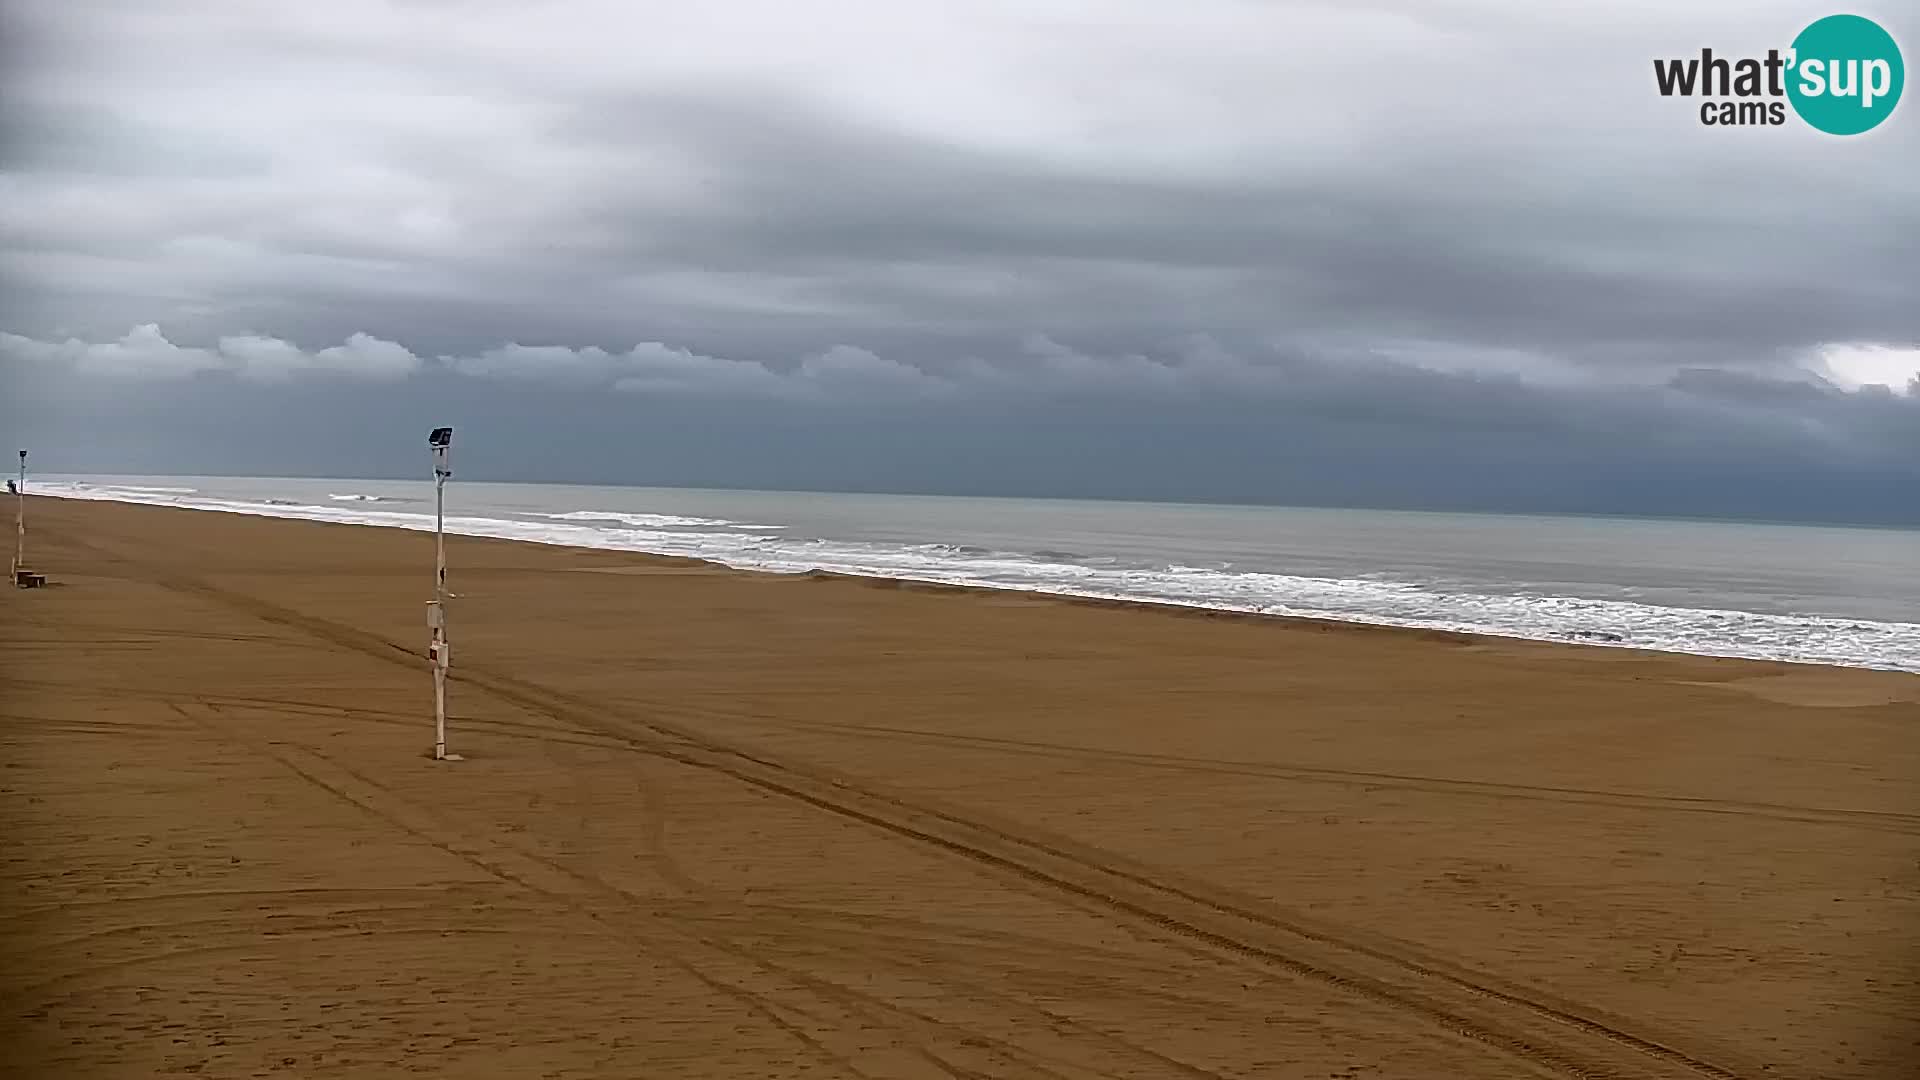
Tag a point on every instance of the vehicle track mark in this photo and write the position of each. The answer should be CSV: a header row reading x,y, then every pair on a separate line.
x,y
1544,1033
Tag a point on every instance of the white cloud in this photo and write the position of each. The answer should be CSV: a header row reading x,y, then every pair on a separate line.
x,y
648,366
145,352
1854,366
651,367
264,357
366,355
536,361
655,367
850,366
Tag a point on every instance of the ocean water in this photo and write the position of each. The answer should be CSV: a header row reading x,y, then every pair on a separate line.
x,y
1847,596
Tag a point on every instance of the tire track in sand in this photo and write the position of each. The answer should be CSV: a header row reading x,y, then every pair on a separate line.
x,y
626,917
1874,820
1883,820
501,862
1519,1022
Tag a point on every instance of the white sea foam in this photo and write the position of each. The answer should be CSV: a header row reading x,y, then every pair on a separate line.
x,y
155,490
654,521
136,493
1797,638
354,497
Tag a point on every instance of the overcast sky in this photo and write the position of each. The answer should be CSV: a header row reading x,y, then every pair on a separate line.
x,y
1400,252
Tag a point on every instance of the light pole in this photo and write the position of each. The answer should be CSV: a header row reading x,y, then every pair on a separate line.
x,y
437,443
20,521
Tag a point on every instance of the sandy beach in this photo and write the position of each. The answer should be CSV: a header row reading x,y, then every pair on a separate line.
x,y
719,824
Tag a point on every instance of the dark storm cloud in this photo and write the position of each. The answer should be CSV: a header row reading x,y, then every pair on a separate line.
x,y
1378,228
1195,425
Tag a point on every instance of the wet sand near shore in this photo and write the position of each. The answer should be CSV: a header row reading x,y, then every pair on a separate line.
x,y
721,824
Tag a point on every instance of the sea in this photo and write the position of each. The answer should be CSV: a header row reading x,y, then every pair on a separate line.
x,y
1801,593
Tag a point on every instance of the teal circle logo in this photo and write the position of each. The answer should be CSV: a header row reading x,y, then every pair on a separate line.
x,y
1846,74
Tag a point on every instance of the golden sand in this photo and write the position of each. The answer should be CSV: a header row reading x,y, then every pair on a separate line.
x,y
719,824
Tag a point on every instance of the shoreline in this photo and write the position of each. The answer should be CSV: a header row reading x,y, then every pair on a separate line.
x,y
1444,632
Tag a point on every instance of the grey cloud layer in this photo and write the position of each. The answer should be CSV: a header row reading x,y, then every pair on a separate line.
x,y
1461,172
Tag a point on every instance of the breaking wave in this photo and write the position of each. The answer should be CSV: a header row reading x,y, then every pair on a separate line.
x,y
1371,600
653,521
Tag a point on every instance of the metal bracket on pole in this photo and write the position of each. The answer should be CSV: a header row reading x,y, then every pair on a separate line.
x,y
438,651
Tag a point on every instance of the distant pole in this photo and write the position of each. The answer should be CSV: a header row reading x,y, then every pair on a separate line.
x,y
20,520
437,443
